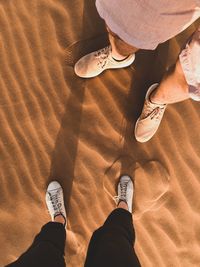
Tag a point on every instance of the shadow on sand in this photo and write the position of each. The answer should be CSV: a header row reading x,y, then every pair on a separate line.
x,y
65,151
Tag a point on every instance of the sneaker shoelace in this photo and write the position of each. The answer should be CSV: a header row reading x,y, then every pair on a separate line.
x,y
56,202
102,56
123,190
152,111
157,113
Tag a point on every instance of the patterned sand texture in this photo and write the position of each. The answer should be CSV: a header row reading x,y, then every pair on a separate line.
x,y
54,125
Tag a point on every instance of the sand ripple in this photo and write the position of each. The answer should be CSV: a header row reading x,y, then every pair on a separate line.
x,y
57,126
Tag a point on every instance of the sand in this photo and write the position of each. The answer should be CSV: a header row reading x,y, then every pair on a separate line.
x,y
55,125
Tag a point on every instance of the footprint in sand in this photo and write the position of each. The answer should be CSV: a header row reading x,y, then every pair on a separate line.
x,y
151,181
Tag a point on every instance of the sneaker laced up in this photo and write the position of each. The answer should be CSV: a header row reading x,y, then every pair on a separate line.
x,y
150,118
152,111
125,191
55,201
92,64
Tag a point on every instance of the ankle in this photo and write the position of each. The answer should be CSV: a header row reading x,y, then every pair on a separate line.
x,y
155,99
60,219
123,205
118,57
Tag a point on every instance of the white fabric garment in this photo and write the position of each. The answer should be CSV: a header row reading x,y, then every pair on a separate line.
x,y
146,23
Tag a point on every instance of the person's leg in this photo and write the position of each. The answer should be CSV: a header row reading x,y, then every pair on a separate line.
x,y
120,49
47,249
112,244
117,55
181,82
173,87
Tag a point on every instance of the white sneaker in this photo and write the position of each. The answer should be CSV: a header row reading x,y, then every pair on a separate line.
x,y
125,191
96,62
150,118
55,200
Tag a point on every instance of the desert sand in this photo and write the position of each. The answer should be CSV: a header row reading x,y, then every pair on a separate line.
x,y
55,125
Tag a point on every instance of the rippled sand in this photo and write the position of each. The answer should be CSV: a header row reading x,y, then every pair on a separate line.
x,y
55,125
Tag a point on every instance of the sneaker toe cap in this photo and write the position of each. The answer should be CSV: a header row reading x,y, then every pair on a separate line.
x,y
87,67
125,178
54,185
80,69
144,131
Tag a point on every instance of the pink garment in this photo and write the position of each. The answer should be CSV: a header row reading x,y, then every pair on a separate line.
x,y
190,62
146,23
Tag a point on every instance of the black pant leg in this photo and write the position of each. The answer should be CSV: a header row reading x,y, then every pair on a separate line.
x,y
47,249
112,244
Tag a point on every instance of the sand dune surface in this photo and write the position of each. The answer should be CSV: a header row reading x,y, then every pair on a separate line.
x,y
55,125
